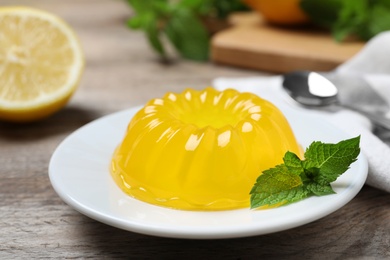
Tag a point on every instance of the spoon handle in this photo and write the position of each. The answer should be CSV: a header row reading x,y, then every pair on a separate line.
x,y
376,119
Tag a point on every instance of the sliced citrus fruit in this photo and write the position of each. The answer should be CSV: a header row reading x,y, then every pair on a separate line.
x,y
41,62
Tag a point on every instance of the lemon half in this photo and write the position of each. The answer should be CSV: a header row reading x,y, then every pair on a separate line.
x,y
41,62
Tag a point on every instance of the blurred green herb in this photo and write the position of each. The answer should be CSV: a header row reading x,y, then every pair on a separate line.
x,y
181,22
361,18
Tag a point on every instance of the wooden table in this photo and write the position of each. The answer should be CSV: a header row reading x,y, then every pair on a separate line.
x,y
122,72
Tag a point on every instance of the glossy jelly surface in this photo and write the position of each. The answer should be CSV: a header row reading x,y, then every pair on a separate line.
x,y
201,150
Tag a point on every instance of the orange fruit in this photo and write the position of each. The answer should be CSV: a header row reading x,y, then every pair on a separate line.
x,y
282,12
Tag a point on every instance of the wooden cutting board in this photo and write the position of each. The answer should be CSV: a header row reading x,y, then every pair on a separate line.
x,y
252,43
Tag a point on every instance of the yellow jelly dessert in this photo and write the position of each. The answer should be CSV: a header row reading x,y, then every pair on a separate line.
x,y
201,150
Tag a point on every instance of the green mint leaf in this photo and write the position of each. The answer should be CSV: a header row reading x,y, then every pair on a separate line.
x,y
331,160
188,35
378,21
351,20
296,179
136,22
153,33
361,18
293,163
192,4
139,6
322,12
183,22
319,189
277,186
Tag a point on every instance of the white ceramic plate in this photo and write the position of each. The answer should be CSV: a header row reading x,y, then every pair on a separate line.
x,y
79,172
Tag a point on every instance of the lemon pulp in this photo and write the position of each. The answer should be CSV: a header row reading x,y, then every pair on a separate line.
x,y
41,62
201,150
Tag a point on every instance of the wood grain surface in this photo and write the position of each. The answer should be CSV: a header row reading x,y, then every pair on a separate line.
x,y
122,72
253,43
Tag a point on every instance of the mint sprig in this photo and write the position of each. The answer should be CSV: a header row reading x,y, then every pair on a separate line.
x,y
297,179
180,23
361,18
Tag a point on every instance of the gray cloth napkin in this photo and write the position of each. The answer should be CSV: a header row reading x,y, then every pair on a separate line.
x,y
373,64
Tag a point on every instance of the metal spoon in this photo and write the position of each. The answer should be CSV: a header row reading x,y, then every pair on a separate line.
x,y
314,89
